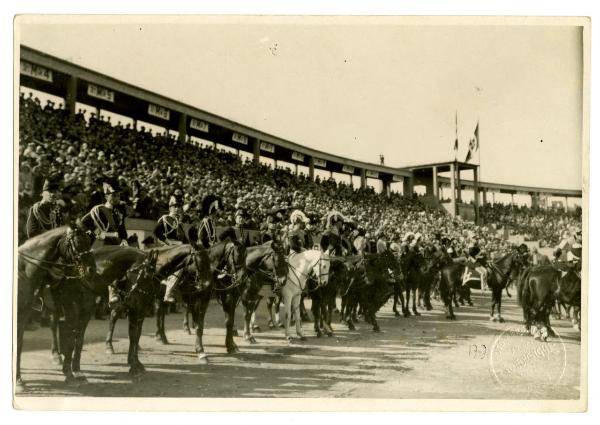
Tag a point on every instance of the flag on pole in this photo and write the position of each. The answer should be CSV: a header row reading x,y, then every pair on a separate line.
x,y
455,134
473,144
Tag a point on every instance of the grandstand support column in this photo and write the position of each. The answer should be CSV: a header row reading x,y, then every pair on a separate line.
x,y
458,184
296,169
408,186
435,184
256,151
566,204
453,188
476,195
71,95
311,168
484,196
363,178
182,128
386,186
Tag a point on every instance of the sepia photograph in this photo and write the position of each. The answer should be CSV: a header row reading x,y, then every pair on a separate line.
x,y
373,212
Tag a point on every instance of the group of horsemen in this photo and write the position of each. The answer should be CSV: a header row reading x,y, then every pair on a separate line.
x,y
105,224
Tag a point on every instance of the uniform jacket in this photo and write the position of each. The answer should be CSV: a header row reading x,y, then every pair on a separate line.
x,y
107,224
43,216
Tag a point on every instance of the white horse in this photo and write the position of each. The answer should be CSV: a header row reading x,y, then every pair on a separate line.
x,y
300,266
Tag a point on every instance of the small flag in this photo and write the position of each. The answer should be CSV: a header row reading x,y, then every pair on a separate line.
x,y
477,136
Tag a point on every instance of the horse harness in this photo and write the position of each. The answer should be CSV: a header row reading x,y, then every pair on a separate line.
x,y
299,273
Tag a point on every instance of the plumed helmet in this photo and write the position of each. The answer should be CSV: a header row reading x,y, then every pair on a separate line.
x,y
51,184
408,237
298,216
474,251
210,204
110,185
334,217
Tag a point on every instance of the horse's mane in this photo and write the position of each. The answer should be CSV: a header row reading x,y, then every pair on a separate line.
x,y
50,237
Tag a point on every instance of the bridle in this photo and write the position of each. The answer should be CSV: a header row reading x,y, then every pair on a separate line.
x,y
298,273
230,268
143,273
75,269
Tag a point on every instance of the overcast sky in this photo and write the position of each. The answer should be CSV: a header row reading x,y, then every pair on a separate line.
x,y
360,90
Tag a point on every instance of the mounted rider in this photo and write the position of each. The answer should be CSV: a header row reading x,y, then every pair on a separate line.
x,y
475,261
45,214
241,233
204,233
169,230
297,235
331,240
105,224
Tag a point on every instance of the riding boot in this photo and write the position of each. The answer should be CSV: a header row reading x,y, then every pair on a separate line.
x,y
170,285
113,296
466,276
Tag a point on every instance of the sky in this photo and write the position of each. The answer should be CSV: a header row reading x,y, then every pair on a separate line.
x,y
361,88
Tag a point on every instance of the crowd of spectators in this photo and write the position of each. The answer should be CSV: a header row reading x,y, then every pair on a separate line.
x,y
150,167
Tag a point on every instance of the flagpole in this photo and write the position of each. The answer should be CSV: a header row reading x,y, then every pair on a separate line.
x,y
456,135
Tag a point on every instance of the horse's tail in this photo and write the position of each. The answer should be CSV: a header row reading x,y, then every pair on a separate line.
x,y
523,288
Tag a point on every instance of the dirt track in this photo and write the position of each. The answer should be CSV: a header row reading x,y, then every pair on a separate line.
x,y
416,357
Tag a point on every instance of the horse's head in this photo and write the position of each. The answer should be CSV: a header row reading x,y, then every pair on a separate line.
x,y
234,261
145,279
278,261
321,268
75,248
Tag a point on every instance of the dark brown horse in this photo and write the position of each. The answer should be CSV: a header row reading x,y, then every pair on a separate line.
x,y
500,273
220,271
539,288
266,264
57,257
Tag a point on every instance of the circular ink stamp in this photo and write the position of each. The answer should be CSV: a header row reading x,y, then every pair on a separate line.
x,y
517,360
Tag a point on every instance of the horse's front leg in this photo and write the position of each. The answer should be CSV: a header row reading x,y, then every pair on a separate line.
x,y
249,307
414,301
406,308
136,369
287,305
297,301
86,309
54,349
316,311
161,335
112,321
330,307
229,303
201,306
67,331
24,303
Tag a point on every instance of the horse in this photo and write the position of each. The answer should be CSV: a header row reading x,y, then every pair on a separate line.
x,y
370,285
120,260
420,273
500,273
300,265
134,269
56,257
265,264
538,290
219,270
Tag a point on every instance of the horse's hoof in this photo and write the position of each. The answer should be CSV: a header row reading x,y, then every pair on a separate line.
x,y
351,327
202,358
253,340
233,349
396,314
80,377
301,337
416,313
71,381
500,319
109,350
377,330
492,319
57,359
470,304
319,334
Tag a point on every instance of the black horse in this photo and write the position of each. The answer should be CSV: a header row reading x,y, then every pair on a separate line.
x,y
266,264
58,257
119,262
134,270
219,270
370,285
539,288
420,269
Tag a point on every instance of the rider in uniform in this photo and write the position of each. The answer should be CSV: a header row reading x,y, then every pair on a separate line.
x,y
204,233
45,214
241,232
169,231
475,261
105,224
331,241
297,231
